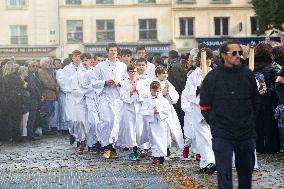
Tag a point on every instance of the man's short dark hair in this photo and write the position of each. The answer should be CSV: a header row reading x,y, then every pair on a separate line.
x,y
140,47
56,60
141,60
86,55
155,85
224,47
173,55
111,45
125,52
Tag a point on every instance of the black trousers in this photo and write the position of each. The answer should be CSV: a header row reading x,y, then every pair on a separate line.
x,y
244,161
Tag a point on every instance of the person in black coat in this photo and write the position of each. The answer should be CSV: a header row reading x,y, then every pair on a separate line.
x,y
13,103
228,102
2,125
266,125
278,55
35,89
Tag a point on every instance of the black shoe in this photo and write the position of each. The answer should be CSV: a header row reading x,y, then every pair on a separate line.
x,y
168,152
72,140
18,139
209,169
161,160
98,147
33,138
48,132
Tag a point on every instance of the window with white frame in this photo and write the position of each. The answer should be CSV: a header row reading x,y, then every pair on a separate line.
x,y
186,26
220,1
73,2
104,1
17,3
74,31
146,1
18,35
148,29
254,26
221,25
105,30
186,1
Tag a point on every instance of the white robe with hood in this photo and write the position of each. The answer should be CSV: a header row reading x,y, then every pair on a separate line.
x,y
109,104
201,129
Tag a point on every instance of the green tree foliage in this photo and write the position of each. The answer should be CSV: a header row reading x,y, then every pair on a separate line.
x,y
270,14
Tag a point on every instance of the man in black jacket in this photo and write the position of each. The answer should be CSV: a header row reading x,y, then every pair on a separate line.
x,y
35,89
228,100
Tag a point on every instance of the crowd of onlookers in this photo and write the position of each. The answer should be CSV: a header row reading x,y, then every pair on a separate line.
x,y
30,104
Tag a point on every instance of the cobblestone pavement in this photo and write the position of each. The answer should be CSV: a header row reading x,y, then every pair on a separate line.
x,y
53,163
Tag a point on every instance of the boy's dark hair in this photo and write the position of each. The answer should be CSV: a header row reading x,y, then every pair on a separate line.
x,y
224,47
110,45
131,67
160,70
155,85
86,55
209,53
125,52
202,46
98,55
141,60
140,47
158,60
76,52
173,55
278,54
66,61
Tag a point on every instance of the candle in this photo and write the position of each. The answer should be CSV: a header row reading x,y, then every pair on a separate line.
x,y
204,66
251,58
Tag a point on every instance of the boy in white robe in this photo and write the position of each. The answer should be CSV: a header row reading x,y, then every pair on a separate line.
x,y
168,91
143,85
64,78
141,53
106,83
201,129
127,137
78,120
156,111
92,111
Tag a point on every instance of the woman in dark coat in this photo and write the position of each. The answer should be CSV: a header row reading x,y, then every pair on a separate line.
x,y
278,55
2,133
13,89
266,125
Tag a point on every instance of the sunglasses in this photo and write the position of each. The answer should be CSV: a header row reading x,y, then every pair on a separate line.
x,y
234,53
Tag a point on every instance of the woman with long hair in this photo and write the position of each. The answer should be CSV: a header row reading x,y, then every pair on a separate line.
x,y
13,93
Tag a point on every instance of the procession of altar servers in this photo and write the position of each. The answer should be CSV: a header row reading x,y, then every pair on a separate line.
x,y
109,115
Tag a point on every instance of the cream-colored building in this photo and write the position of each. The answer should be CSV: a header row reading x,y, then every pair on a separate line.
x,y
33,28
88,25
209,21
29,29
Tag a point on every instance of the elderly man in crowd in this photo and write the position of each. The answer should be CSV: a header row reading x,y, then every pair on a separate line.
x,y
49,92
